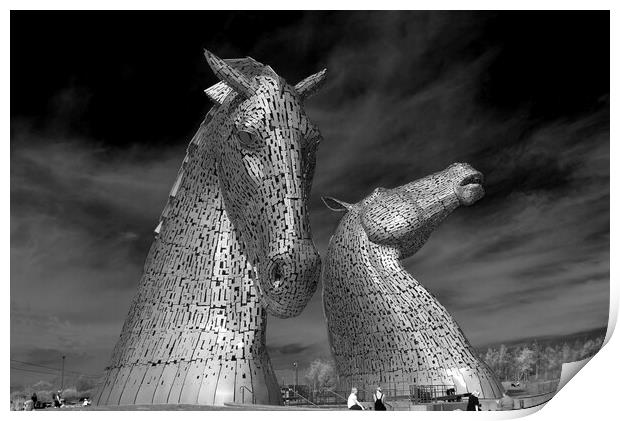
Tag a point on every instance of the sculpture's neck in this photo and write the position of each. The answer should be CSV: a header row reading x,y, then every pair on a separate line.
x,y
214,257
195,332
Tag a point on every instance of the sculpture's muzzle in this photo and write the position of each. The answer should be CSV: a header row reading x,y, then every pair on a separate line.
x,y
289,278
469,190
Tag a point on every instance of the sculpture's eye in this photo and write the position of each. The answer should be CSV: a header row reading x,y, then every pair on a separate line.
x,y
249,140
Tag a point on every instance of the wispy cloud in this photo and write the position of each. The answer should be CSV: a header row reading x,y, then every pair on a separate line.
x,y
81,224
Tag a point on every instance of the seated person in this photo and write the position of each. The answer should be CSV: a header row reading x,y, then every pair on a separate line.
x,y
352,402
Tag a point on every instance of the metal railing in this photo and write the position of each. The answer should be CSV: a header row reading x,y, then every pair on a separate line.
x,y
293,398
429,393
243,388
329,397
302,397
336,394
394,391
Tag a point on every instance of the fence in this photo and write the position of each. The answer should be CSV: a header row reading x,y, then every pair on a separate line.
x,y
430,393
325,397
532,387
394,392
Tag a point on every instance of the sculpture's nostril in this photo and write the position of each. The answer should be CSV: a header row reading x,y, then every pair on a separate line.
x,y
475,178
291,270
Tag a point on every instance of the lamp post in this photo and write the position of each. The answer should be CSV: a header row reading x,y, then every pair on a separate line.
x,y
296,374
62,376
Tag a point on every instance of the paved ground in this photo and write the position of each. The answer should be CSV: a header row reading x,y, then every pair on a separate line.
x,y
519,402
150,408
184,407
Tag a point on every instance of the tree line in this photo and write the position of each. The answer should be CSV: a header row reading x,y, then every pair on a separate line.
x,y
535,361
530,361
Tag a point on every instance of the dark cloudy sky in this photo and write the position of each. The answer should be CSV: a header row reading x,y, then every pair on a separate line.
x,y
103,105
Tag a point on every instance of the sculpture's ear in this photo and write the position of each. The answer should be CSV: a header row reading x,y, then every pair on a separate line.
x,y
231,76
311,84
390,218
337,205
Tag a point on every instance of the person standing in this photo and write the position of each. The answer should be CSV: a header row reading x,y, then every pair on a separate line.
x,y
57,400
352,402
473,403
379,396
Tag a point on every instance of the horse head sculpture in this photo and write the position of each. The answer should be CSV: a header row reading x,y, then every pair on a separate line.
x,y
265,158
384,327
405,217
232,244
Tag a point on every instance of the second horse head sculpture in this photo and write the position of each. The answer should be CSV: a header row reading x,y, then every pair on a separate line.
x,y
384,327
